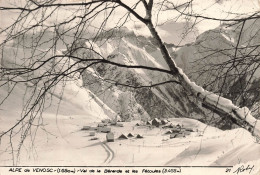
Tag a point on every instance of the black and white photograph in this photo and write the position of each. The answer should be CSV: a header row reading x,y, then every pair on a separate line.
x,y
163,86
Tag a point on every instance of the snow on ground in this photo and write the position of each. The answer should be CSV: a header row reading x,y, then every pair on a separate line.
x,y
57,140
196,149
60,140
71,146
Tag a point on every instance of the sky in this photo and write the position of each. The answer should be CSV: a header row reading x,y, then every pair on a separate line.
x,y
171,27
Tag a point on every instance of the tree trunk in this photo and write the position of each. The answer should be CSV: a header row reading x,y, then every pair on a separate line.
x,y
217,104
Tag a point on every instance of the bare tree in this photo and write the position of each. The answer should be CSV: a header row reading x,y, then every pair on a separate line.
x,y
43,69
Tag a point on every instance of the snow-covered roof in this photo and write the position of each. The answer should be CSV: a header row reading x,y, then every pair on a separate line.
x,y
123,136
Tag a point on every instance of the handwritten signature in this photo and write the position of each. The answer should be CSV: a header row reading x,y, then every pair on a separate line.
x,y
244,169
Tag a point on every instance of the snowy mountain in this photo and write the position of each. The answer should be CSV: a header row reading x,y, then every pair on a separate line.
x,y
111,83
132,50
168,100
225,54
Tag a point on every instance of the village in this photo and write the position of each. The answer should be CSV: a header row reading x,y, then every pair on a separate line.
x,y
141,142
109,127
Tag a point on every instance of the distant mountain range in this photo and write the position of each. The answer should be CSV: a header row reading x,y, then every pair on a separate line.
x,y
167,100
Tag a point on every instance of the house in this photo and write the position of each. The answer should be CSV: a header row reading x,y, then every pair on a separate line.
x,y
110,137
85,128
148,123
173,136
130,135
189,129
168,125
122,136
92,133
175,130
106,130
99,129
120,124
100,125
180,135
94,138
178,126
169,132
113,122
93,128
139,136
171,126
186,132
106,121
156,122
164,122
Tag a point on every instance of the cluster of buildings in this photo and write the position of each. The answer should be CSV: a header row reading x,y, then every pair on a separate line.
x,y
103,127
174,131
157,122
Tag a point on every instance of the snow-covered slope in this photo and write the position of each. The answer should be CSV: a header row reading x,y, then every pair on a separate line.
x,y
160,101
64,109
225,54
